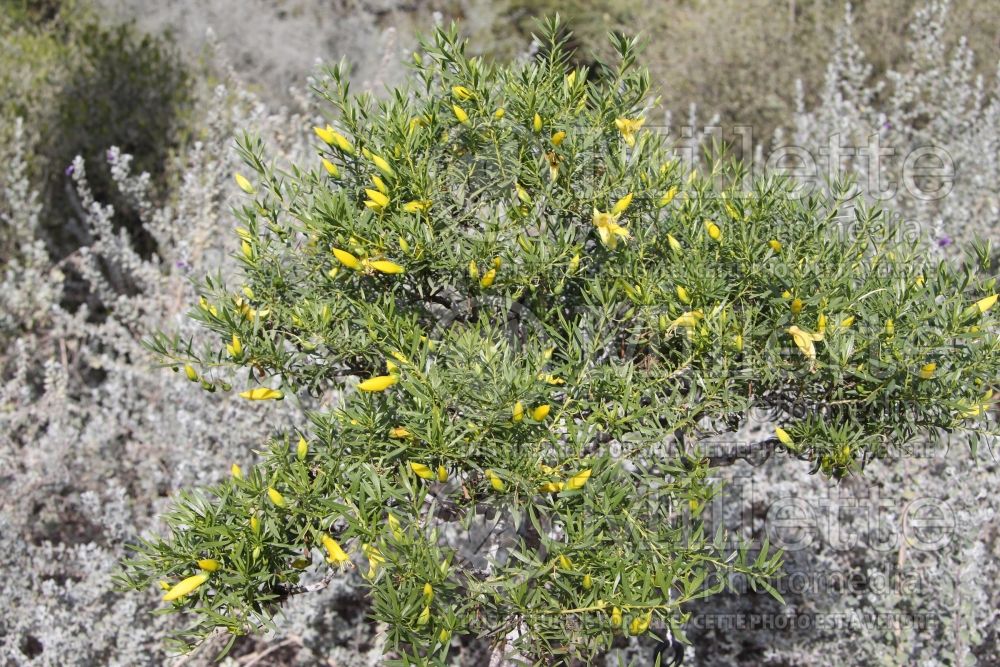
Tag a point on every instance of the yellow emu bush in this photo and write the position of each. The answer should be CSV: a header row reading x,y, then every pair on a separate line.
x,y
530,315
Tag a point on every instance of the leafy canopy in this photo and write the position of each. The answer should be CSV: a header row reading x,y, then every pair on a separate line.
x,y
524,316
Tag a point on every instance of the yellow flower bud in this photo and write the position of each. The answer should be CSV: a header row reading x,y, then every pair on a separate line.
x,y
331,168
588,582
379,383
444,636
382,166
927,371
558,138
517,412
275,496
796,306
262,394
421,471
536,123
775,245
668,196
346,258
847,322
461,92
425,617
499,113
417,205
713,230
783,436
191,373
209,564
164,585
399,433
578,480
185,587
488,278
675,245
395,527
473,270
622,204
302,449
616,617
564,562
376,200
683,295
442,474
428,593
540,412
385,266
255,524
244,184
495,482
236,471
460,114
574,263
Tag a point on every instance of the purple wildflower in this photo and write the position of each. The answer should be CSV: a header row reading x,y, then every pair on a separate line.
x,y
944,241
69,170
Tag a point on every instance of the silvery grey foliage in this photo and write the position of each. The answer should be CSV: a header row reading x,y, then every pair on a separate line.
x,y
935,120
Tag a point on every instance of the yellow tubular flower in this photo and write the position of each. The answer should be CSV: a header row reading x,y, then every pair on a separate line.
x,y
335,555
236,471
442,474
558,138
380,185
375,559
640,624
775,245
421,471
185,587
536,123
425,617
235,348
687,320
488,278
461,92
244,184
628,128
616,617
340,141
301,449
783,436
821,323
985,304
796,306
564,562
346,258
847,322
379,383
399,433
209,564
428,592
246,249
578,480
541,412
522,194
385,266
683,295
460,114
621,205
395,527
713,230
804,341
517,412
609,230
927,371
275,496
262,394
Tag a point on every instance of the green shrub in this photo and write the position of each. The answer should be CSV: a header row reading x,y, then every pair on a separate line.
x,y
525,321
